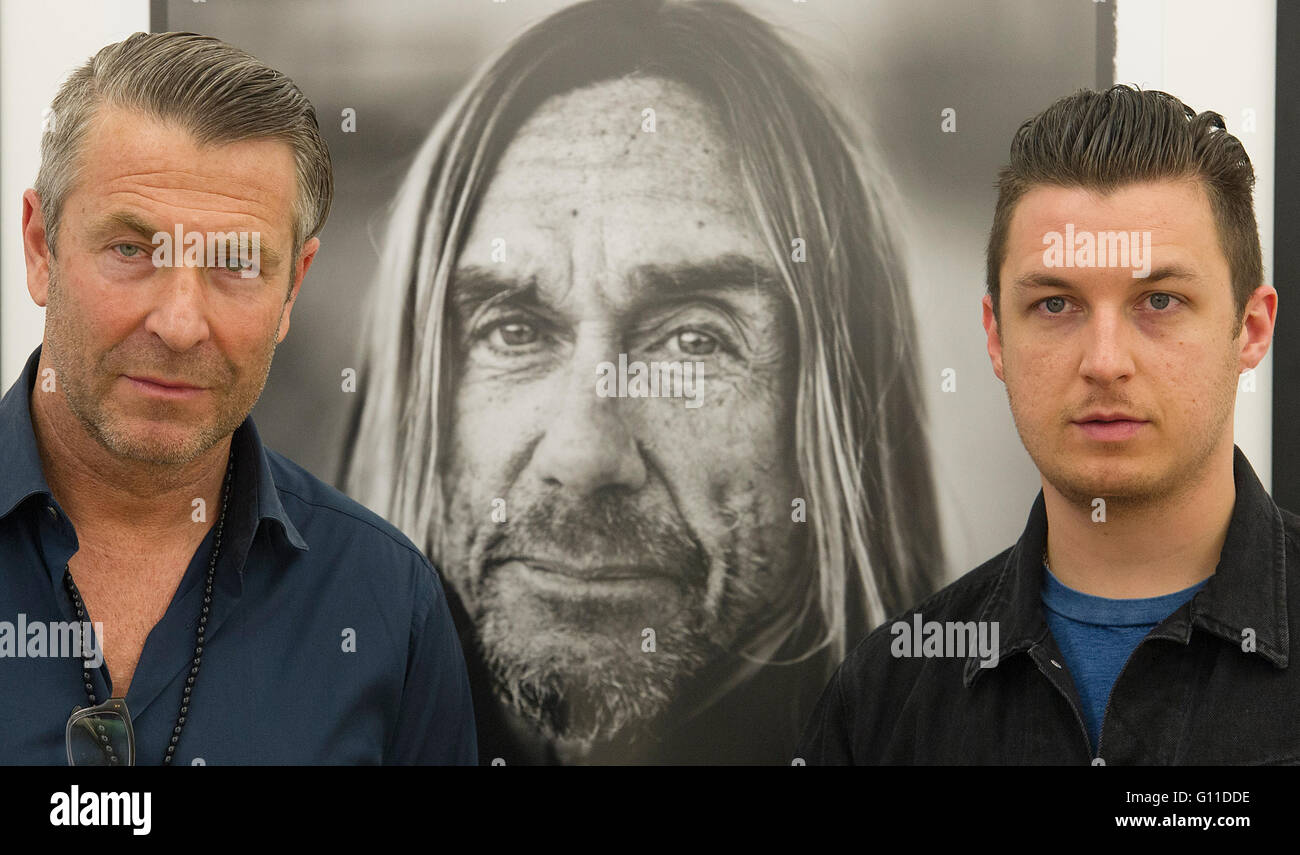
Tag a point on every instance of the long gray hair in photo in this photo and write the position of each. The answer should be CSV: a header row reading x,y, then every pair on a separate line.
x,y
862,454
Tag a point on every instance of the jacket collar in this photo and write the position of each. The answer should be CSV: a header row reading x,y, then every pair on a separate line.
x,y
23,477
1246,593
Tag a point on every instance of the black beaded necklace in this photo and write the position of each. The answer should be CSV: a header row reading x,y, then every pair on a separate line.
x,y
80,609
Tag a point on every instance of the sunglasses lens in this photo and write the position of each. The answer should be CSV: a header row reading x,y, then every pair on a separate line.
x,y
99,740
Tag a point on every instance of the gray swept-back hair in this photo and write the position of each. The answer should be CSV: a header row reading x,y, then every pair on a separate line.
x,y
217,92
862,454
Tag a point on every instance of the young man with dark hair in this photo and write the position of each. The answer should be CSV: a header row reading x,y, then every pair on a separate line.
x,y
1148,613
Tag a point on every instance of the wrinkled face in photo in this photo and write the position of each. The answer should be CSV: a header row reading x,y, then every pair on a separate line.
x,y
611,532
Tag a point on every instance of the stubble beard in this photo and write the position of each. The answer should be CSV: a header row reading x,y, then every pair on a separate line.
x,y
1142,490
71,358
579,687
583,701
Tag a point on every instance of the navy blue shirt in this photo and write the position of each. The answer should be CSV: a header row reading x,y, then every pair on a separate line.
x,y
1097,635
329,638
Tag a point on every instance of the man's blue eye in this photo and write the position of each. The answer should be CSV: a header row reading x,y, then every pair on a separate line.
x,y
1159,301
127,250
1055,305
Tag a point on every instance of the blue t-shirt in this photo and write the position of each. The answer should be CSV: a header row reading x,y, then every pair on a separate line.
x,y
1097,635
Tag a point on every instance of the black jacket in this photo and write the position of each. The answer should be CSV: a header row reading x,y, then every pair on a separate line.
x,y
1214,683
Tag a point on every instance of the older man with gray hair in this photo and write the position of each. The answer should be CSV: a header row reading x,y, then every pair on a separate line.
x,y
224,598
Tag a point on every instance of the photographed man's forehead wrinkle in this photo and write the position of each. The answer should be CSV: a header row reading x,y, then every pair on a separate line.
x,y
584,186
607,125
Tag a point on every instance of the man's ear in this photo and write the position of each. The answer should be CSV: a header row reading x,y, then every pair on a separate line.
x,y
994,337
36,249
1257,325
300,266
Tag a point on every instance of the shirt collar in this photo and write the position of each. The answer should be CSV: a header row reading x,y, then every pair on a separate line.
x,y
20,458
1246,592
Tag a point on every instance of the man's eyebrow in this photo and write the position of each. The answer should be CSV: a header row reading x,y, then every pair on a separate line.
x,y
1048,280
269,257
474,285
730,272
109,224
1171,271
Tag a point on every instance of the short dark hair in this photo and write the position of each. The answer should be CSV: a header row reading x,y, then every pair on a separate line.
x,y
1103,140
